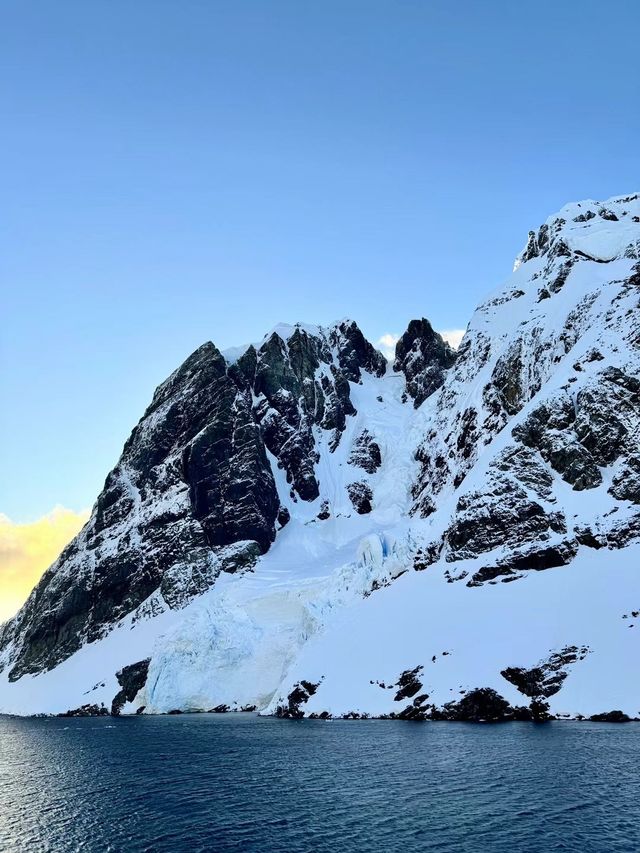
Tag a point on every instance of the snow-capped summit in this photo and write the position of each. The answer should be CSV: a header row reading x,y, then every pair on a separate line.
x,y
294,526
601,231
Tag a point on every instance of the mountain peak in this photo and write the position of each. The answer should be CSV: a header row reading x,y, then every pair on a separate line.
x,y
265,503
601,231
424,357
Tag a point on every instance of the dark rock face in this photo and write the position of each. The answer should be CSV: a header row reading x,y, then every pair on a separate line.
x,y
625,485
408,684
300,694
578,437
131,679
365,453
426,556
548,429
193,493
86,711
450,449
537,558
607,214
481,704
484,520
290,402
589,424
240,557
360,495
303,382
355,353
606,532
200,428
547,242
417,710
507,379
280,384
324,513
610,717
231,486
193,477
527,468
424,357
539,710
585,217
624,532
547,677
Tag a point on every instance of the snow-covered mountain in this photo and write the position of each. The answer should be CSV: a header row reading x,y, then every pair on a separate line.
x,y
299,527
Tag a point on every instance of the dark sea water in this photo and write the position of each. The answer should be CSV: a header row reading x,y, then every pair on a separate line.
x,y
242,783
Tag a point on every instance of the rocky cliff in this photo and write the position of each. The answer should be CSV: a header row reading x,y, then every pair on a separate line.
x,y
298,514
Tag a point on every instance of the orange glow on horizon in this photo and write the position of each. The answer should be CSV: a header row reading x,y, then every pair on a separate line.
x,y
26,550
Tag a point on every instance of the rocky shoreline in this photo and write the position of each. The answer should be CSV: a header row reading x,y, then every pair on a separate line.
x,y
615,716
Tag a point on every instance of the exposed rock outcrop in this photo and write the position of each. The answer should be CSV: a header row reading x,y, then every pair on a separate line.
x,y
131,679
300,694
89,710
503,512
193,493
360,495
610,717
424,357
408,684
365,453
480,705
547,677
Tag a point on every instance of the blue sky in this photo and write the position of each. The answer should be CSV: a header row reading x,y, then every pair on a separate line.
x,y
174,172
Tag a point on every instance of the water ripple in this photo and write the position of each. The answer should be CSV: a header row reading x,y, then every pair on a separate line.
x,y
240,783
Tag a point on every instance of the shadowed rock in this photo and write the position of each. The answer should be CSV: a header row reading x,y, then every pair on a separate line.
x,y
424,357
131,679
193,493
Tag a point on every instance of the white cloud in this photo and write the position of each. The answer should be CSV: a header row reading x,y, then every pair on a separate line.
x,y
387,344
453,336
26,550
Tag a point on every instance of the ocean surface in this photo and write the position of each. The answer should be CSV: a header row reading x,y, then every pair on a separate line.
x,y
237,782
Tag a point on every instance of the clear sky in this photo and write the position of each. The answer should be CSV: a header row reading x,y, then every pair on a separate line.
x,y
175,172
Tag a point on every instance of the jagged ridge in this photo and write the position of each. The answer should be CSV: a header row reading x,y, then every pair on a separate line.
x,y
194,479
